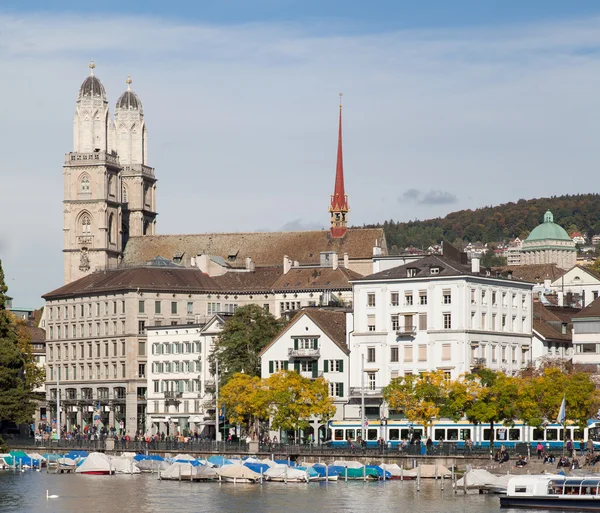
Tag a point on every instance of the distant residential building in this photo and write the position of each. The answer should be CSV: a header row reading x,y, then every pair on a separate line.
x,y
549,243
313,344
596,240
579,285
435,313
586,335
578,238
552,333
512,252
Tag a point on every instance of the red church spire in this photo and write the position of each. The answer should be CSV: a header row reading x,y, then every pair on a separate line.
x,y
339,201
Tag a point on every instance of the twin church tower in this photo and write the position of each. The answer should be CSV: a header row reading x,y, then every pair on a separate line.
x,y
110,191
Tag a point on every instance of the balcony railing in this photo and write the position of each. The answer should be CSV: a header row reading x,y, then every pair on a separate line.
x,y
173,395
478,362
310,375
406,331
304,353
369,391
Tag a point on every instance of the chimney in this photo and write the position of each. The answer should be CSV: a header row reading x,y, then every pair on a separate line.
x,y
475,267
193,261
346,260
334,261
296,263
376,249
287,264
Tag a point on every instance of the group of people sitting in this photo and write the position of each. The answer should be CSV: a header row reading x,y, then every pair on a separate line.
x,y
502,455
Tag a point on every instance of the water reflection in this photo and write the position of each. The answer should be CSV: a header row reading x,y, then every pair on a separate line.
x,y
26,492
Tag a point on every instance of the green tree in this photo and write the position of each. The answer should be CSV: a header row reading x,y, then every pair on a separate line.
x,y
244,335
16,403
490,259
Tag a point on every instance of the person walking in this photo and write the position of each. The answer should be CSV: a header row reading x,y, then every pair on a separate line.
x,y
540,450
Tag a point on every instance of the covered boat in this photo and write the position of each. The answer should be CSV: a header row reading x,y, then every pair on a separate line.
x,y
96,464
184,471
122,465
283,473
219,461
396,472
237,474
480,479
553,492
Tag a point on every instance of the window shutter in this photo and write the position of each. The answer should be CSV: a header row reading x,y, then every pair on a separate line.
x,y
446,351
325,365
340,390
270,366
316,343
422,353
408,353
297,366
285,365
341,365
296,343
315,369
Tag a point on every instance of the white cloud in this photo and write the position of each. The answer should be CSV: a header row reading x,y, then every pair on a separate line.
x,y
242,121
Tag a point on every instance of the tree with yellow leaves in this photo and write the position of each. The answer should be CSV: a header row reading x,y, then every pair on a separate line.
x,y
294,399
246,400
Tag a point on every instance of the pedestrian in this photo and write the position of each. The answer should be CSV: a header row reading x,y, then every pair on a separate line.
x,y
570,448
590,447
429,444
540,450
581,447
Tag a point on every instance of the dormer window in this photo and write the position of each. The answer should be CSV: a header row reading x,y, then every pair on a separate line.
x,y
434,270
411,272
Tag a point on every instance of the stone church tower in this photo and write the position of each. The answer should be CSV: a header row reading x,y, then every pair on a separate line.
x,y
103,195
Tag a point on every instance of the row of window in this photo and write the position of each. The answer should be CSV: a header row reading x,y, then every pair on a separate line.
x,y
408,351
491,297
89,350
175,385
497,352
507,323
74,372
176,347
409,298
88,393
86,310
306,366
85,330
158,307
182,407
184,366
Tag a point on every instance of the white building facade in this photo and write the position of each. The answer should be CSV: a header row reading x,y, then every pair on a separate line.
x,y
434,314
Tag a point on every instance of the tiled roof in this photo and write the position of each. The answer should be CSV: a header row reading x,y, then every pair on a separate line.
x,y
547,331
331,322
144,278
548,321
423,268
38,335
592,310
534,273
315,278
265,248
261,279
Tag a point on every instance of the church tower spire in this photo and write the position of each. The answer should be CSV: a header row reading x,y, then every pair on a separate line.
x,y
339,201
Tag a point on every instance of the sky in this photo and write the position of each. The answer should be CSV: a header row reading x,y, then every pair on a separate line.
x,y
447,105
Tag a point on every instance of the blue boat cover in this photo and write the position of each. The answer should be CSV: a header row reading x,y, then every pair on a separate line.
x,y
219,461
257,467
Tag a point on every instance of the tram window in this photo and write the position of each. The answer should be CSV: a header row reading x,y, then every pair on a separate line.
x,y
501,434
551,434
393,434
578,434
359,434
418,433
338,434
465,434
514,434
452,434
538,434
567,434
439,434
350,434
372,434
487,434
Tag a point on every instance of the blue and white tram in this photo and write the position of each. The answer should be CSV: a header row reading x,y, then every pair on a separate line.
x,y
393,432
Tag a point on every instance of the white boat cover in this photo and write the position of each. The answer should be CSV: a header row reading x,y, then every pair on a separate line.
x,y
396,471
36,456
187,470
252,459
128,455
283,472
269,462
94,462
183,457
429,471
349,464
67,462
149,465
124,465
480,479
237,472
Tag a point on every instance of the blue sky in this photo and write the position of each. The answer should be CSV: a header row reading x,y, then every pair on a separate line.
x,y
373,15
447,105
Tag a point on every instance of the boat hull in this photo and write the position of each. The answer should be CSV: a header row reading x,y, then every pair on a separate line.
x,y
576,503
97,472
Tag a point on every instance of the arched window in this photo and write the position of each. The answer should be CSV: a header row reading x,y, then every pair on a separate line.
x,y
84,185
86,225
111,229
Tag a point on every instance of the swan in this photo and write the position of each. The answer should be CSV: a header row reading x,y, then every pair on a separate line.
x,y
50,496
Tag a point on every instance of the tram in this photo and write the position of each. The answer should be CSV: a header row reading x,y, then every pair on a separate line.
x,y
394,432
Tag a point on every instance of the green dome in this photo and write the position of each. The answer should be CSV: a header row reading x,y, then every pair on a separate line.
x,y
548,230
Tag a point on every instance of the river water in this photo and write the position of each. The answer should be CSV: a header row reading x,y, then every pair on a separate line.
x,y
26,492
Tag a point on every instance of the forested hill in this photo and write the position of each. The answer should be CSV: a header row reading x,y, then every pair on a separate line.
x,y
579,212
